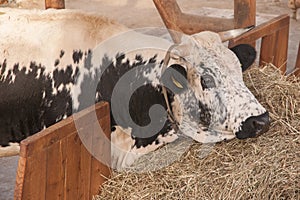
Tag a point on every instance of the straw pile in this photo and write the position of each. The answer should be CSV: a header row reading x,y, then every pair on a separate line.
x,y
266,167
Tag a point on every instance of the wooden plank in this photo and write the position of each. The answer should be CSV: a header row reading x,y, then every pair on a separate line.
x,y
85,173
170,16
58,4
55,175
99,173
101,150
47,137
34,178
72,169
191,24
20,178
267,42
281,50
297,66
245,14
262,30
55,164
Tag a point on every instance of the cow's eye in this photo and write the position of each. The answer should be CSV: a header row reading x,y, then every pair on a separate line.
x,y
207,81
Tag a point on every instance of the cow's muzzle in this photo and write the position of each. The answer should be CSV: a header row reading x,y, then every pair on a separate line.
x,y
253,126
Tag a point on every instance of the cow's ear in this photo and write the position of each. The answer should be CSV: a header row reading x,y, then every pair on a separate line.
x,y
246,54
175,78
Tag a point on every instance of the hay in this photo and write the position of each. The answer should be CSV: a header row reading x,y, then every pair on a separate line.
x,y
266,167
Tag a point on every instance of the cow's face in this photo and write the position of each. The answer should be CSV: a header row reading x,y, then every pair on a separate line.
x,y
212,102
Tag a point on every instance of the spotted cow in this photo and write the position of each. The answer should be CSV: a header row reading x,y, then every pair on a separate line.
x,y
54,63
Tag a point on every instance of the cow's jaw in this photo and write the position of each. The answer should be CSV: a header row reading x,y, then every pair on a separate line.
x,y
194,120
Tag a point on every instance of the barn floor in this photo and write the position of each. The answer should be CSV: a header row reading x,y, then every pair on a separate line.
x,y
8,166
141,13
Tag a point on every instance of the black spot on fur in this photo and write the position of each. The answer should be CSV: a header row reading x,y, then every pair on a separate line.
x,y
140,101
56,62
34,99
27,102
205,116
88,59
77,56
62,53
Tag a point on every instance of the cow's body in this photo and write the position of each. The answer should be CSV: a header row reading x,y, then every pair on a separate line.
x,y
43,82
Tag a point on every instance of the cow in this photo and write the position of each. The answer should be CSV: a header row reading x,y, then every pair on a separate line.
x,y
55,63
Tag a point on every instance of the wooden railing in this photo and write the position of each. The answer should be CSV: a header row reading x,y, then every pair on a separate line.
x,y
274,36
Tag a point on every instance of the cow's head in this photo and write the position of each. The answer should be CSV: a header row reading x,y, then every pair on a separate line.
x,y
211,102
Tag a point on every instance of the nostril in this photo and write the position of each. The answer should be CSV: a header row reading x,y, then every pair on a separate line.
x,y
261,123
258,125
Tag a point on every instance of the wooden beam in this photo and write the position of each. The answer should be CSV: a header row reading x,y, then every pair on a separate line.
x,y
297,66
262,30
281,48
245,14
176,20
191,24
170,12
274,46
267,49
58,4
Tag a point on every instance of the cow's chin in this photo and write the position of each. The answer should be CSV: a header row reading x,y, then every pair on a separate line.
x,y
250,134
224,135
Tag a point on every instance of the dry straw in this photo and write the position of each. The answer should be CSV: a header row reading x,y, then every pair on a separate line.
x,y
266,167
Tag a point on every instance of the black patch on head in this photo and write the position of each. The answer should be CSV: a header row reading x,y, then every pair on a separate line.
x,y
77,56
205,116
246,55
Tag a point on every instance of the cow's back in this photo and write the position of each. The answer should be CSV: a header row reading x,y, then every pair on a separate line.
x,y
35,35
41,56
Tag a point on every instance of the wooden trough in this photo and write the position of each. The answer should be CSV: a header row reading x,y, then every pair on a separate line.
x,y
54,164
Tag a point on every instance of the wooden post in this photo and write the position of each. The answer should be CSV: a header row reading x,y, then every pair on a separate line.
x,y
58,4
297,66
281,48
170,12
245,14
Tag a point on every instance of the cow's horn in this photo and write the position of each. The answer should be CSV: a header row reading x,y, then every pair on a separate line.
x,y
227,35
